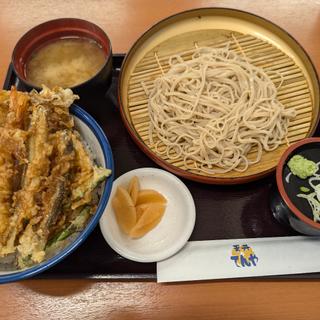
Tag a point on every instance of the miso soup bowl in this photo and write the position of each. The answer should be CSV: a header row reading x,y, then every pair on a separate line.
x,y
97,142
282,202
53,30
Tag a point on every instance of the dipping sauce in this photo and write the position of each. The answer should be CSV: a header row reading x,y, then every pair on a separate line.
x,y
65,62
295,186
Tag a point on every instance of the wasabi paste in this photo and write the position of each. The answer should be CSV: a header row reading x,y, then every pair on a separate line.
x,y
302,167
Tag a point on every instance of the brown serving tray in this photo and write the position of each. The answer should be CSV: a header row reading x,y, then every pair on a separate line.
x,y
223,212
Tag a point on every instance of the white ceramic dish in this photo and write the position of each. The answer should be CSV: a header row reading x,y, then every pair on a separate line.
x,y
174,229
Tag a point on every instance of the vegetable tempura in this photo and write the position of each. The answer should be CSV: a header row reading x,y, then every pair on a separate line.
x,y
48,181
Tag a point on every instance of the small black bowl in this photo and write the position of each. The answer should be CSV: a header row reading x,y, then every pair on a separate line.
x,y
286,207
62,28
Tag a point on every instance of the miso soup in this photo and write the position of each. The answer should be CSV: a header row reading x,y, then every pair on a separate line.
x,y
65,62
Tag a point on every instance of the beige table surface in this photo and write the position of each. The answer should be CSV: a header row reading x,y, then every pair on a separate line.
x,y
124,21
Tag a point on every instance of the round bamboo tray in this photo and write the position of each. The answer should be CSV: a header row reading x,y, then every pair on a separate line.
x,y
265,44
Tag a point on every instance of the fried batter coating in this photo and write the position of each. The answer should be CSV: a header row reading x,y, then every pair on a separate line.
x,y
47,177
18,110
25,200
12,150
4,106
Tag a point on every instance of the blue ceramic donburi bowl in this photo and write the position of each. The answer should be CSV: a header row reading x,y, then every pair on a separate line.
x,y
96,140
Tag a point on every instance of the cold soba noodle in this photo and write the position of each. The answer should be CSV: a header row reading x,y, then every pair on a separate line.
x,y
214,109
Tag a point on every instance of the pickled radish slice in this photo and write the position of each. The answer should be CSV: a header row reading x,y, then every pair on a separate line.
x,y
124,209
134,188
140,209
150,196
152,215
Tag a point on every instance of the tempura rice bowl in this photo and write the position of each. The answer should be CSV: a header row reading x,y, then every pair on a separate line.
x,y
98,145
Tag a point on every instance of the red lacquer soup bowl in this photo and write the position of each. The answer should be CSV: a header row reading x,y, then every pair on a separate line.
x,y
54,30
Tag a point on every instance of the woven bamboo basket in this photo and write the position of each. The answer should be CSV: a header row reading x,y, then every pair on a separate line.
x,y
263,43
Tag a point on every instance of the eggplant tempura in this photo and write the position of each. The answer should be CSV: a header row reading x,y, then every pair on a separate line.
x,y
48,181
